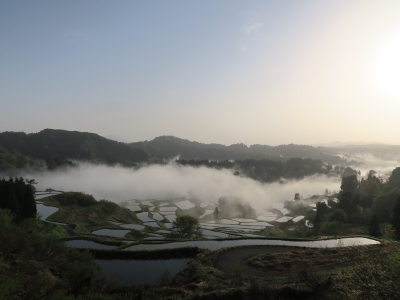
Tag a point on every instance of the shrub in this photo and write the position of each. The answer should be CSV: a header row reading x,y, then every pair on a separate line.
x,y
186,226
331,228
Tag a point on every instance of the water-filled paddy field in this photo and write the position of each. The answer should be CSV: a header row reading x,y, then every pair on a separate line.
x,y
129,272
216,245
154,221
166,210
45,210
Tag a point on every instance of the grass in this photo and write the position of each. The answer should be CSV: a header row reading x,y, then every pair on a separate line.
x,y
88,217
313,257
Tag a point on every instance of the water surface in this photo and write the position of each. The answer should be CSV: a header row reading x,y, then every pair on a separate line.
x,y
186,204
284,219
206,212
144,217
299,218
132,226
170,218
134,207
45,210
167,208
111,232
157,216
215,245
214,234
152,224
129,272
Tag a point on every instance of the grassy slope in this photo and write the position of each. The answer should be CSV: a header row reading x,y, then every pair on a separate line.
x,y
87,213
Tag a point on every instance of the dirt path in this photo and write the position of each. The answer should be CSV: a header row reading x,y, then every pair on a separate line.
x,y
233,260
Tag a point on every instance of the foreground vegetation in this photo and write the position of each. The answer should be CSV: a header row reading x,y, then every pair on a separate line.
x,y
34,265
46,269
371,203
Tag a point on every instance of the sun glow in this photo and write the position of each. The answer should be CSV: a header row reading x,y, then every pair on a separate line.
x,y
388,68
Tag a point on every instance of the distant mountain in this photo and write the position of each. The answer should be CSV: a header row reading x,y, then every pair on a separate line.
x,y
379,151
58,146
50,143
170,146
117,138
347,144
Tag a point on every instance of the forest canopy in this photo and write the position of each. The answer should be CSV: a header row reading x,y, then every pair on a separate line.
x,y
18,196
49,144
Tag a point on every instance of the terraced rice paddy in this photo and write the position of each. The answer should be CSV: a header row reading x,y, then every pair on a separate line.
x,y
159,214
111,232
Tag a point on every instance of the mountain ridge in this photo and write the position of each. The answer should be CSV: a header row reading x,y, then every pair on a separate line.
x,y
56,143
53,143
168,146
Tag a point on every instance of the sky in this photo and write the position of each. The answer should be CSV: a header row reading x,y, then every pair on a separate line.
x,y
253,72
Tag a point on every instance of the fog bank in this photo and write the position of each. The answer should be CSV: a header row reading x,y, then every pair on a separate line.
x,y
166,181
371,162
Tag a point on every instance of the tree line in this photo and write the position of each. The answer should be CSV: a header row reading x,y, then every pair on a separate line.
x,y
18,196
56,146
170,146
13,160
267,170
366,202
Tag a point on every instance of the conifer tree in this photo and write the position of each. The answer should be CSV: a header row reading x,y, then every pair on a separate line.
x,y
18,196
396,218
374,228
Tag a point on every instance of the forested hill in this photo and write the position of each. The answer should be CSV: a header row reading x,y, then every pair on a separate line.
x,y
50,144
57,146
170,146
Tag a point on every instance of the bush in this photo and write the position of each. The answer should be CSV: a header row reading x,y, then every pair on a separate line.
x,y
187,227
338,215
34,265
374,277
331,228
108,207
77,198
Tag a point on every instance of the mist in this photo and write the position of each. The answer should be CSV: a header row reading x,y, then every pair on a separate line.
x,y
119,184
371,162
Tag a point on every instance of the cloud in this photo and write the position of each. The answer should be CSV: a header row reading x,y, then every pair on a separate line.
x,y
249,29
372,162
166,181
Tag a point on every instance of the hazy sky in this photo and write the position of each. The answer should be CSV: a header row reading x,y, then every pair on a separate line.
x,y
268,72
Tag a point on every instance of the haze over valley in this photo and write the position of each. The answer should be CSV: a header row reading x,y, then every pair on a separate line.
x,y
169,167
195,150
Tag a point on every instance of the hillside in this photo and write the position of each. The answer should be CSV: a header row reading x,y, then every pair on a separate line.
x,y
49,144
12,160
170,146
57,146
